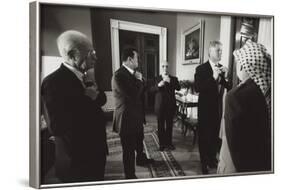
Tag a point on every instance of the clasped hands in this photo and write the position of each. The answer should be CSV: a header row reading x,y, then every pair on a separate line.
x,y
91,91
166,78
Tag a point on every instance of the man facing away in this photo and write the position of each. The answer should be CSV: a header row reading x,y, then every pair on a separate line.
x,y
128,88
72,107
165,106
210,83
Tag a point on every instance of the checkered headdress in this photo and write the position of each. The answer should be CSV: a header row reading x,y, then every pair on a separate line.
x,y
256,61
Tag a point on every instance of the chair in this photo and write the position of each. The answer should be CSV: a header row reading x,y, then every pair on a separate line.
x,y
189,122
180,114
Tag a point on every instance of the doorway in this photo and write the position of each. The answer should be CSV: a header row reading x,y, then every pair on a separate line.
x,y
117,25
147,46
151,42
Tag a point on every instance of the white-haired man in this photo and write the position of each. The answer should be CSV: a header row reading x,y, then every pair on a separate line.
x,y
210,81
72,102
165,106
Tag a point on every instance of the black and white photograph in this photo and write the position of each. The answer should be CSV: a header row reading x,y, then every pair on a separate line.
x,y
192,43
131,94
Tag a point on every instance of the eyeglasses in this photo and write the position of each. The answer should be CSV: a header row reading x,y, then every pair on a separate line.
x,y
92,54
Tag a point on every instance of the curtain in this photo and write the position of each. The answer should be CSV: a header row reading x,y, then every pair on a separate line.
x,y
265,36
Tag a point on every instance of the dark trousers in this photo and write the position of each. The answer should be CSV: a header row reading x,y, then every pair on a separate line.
x,y
208,141
131,143
90,171
165,132
82,171
77,168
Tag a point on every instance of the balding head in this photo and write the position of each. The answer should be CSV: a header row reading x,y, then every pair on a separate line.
x,y
74,47
165,66
70,40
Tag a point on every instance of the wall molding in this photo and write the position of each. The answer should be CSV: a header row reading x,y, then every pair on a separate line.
x,y
116,25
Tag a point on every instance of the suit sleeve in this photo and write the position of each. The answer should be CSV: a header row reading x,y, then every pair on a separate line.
x,y
58,108
155,86
101,99
234,125
120,85
203,83
67,107
177,84
224,83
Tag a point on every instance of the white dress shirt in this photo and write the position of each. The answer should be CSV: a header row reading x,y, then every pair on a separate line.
x,y
129,69
213,65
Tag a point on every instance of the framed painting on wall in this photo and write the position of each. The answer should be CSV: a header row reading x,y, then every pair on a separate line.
x,y
192,44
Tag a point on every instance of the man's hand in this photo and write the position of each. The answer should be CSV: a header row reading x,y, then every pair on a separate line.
x,y
92,92
161,83
166,78
90,75
138,75
224,71
220,71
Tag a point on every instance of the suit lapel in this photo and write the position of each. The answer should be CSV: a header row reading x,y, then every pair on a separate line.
x,y
209,69
131,80
69,74
126,72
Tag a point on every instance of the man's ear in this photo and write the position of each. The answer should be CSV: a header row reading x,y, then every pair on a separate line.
x,y
72,54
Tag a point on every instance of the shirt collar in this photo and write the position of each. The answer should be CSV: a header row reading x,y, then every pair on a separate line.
x,y
78,74
129,69
212,64
162,75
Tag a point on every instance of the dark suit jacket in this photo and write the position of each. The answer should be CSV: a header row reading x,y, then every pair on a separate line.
x,y
210,95
247,130
128,93
77,122
165,100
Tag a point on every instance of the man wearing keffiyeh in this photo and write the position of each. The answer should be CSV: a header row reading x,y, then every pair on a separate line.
x,y
247,142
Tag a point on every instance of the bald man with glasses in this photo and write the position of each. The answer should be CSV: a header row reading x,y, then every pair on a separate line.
x,y
72,104
165,106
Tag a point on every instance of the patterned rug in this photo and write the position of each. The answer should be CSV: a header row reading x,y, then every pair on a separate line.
x,y
165,164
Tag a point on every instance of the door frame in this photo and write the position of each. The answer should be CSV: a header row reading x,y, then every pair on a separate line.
x,y
116,25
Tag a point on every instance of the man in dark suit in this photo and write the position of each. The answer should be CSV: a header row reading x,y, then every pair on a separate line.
x,y
72,108
210,83
165,106
247,112
128,88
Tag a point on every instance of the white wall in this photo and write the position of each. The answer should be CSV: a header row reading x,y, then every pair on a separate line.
x,y
212,32
49,64
226,37
57,19
15,95
265,35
